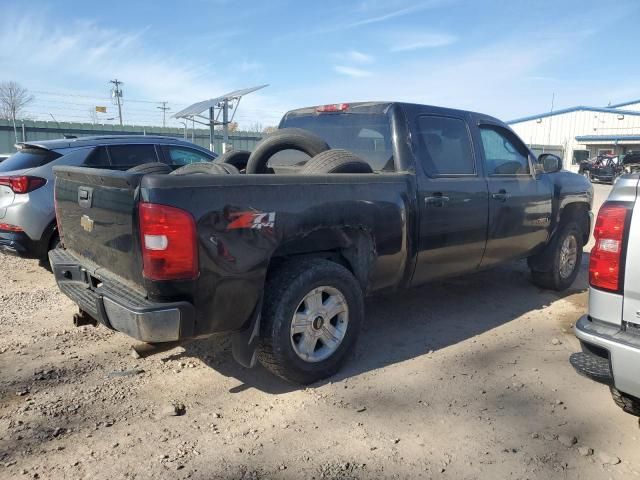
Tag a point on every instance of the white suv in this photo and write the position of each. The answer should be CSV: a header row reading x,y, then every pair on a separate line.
x,y
610,333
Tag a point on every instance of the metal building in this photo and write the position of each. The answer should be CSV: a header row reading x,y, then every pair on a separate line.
x,y
580,133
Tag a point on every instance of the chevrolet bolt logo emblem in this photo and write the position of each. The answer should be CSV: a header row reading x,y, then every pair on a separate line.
x,y
86,223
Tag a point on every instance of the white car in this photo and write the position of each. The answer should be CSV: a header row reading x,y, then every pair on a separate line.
x,y
610,333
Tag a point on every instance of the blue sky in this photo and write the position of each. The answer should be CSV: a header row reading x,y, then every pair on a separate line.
x,y
505,58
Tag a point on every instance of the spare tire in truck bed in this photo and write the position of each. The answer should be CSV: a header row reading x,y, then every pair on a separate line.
x,y
284,139
336,160
152,167
206,168
237,158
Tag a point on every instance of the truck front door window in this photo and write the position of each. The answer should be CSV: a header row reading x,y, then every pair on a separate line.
x,y
503,153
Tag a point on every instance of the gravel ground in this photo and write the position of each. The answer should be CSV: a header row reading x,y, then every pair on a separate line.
x,y
463,379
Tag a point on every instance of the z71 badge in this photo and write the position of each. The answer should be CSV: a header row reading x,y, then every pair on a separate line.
x,y
252,220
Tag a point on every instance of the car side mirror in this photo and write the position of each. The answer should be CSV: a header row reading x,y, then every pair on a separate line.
x,y
549,163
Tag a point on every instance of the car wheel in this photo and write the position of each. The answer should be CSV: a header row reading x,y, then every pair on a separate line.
x,y
336,161
626,402
151,167
566,258
205,168
284,139
312,313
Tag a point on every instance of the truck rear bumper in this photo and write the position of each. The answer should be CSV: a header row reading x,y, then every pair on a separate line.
x,y
607,347
118,306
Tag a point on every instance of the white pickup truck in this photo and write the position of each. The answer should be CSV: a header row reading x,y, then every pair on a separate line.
x,y
610,333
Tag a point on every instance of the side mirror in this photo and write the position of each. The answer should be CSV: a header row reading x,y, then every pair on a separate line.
x,y
549,163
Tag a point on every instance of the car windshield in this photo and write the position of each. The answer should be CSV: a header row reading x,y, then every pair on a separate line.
x,y
28,158
366,135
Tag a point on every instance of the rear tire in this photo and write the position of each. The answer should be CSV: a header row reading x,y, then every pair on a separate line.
x,y
626,402
310,292
284,139
152,167
566,257
336,161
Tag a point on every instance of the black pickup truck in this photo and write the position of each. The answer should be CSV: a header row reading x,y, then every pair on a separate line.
x,y
406,195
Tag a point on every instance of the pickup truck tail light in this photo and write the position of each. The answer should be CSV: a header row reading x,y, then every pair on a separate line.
x,y
22,183
606,266
169,243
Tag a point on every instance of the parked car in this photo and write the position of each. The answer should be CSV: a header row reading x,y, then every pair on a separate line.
x,y
27,217
607,169
610,333
407,195
4,156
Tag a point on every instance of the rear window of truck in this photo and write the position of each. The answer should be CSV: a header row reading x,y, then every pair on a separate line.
x,y
28,158
366,135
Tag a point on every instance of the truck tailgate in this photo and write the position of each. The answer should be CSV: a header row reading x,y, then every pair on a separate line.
x,y
96,212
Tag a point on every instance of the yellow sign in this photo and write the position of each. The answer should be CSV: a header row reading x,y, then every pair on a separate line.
x,y
101,109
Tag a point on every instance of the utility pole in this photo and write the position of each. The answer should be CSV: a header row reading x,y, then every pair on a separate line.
x,y
117,92
164,109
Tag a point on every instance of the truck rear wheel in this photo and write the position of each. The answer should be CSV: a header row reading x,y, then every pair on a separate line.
x,y
626,402
312,314
565,251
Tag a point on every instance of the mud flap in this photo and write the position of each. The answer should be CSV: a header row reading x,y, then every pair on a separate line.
x,y
244,344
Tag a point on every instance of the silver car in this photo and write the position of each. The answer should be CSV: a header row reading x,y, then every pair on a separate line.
x,y
610,333
27,213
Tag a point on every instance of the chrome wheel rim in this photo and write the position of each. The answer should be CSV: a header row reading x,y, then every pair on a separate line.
x,y
568,256
319,324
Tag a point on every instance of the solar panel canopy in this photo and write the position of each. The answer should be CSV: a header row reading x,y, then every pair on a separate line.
x,y
200,107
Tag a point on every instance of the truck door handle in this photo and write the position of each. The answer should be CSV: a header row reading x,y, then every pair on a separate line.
x,y
438,200
501,196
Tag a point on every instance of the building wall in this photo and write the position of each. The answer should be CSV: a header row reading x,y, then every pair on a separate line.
x,y
37,130
562,129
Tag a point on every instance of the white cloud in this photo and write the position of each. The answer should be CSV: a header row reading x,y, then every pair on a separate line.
x,y
408,42
358,57
351,71
80,57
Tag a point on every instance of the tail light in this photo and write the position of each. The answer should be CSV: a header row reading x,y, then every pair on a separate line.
x,y
22,183
169,243
336,107
6,227
606,267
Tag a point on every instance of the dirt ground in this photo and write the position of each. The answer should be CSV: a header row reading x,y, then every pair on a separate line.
x,y
464,379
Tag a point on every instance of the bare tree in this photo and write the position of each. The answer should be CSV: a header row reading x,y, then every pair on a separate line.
x,y
13,100
268,130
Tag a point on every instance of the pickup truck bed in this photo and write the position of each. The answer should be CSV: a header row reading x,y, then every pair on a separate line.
x,y
283,261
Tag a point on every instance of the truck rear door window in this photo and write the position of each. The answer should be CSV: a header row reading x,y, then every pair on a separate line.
x,y
446,146
127,156
365,134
